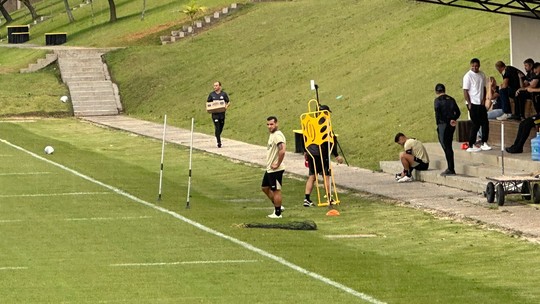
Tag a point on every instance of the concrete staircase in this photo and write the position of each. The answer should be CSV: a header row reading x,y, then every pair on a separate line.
x,y
188,30
40,64
471,168
90,86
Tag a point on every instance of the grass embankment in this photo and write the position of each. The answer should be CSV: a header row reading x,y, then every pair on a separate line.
x,y
382,57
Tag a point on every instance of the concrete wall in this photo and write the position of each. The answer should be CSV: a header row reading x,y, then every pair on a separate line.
x,y
524,40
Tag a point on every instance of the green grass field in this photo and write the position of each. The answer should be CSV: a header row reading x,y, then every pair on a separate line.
x,y
83,225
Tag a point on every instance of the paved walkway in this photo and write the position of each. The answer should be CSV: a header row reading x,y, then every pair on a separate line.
x,y
522,220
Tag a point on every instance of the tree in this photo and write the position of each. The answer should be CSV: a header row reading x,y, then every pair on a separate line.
x,y
31,8
5,13
192,10
112,11
68,12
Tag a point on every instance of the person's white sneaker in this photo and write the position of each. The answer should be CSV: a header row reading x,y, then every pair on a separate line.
x,y
474,149
504,117
485,147
405,179
273,215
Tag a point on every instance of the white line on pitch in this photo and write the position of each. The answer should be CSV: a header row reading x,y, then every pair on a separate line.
x,y
183,263
200,226
107,218
55,194
10,221
13,268
23,173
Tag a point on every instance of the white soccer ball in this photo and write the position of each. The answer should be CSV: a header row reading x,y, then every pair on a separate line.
x,y
64,99
49,150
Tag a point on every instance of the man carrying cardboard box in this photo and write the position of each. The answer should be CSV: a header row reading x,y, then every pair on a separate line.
x,y
218,117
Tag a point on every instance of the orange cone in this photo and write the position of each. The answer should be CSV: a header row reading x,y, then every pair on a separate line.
x,y
332,212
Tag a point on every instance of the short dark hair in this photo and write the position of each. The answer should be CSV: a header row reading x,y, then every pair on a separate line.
x,y
528,61
439,88
500,64
536,65
271,118
475,60
396,139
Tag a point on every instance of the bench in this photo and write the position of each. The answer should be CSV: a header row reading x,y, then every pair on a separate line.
x,y
18,33
299,141
464,127
55,38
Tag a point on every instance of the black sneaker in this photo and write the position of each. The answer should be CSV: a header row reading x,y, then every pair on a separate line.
x,y
448,172
513,150
219,145
308,203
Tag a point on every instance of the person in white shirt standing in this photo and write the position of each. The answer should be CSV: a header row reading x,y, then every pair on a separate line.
x,y
474,90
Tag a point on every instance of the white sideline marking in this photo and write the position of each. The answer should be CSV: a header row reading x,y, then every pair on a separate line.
x,y
183,263
54,194
243,244
350,236
13,268
10,221
107,218
23,173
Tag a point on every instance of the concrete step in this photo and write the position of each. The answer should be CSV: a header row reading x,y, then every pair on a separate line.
x,y
464,182
93,97
68,79
85,69
472,168
89,84
518,162
95,113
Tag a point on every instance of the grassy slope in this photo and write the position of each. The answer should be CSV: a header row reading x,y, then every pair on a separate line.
x,y
414,258
384,57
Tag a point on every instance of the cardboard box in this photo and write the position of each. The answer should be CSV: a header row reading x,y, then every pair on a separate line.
x,y
216,106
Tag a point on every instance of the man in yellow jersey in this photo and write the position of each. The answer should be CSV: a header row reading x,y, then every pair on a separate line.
x,y
275,153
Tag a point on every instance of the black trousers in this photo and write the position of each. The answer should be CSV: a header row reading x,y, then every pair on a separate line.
x,y
479,119
446,134
219,123
524,130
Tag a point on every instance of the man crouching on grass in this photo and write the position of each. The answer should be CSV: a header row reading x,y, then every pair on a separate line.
x,y
414,157
275,152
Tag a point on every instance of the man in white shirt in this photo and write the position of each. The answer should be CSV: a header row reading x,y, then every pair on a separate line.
x,y
474,91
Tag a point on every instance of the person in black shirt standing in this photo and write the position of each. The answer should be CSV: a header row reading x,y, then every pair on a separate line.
x,y
218,118
446,114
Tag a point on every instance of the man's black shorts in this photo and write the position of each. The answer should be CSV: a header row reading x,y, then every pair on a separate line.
x,y
422,166
316,163
272,180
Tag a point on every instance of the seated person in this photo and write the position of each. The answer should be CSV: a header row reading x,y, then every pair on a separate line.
x,y
523,94
526,125
493,100
414,157
510,84
493,105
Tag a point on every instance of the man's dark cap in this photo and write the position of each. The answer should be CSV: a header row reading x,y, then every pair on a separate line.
x,y
324,107
440,88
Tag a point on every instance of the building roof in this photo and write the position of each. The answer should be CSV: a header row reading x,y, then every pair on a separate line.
x,y
521,8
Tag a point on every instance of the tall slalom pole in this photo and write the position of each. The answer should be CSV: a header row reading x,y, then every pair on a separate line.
x,y
190,157
162,156
502,146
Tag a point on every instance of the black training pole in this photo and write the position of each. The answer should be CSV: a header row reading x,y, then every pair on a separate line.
x,y
341,151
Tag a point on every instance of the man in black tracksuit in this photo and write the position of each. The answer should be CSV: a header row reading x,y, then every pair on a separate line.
x,y
527,124
218,118
446,114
